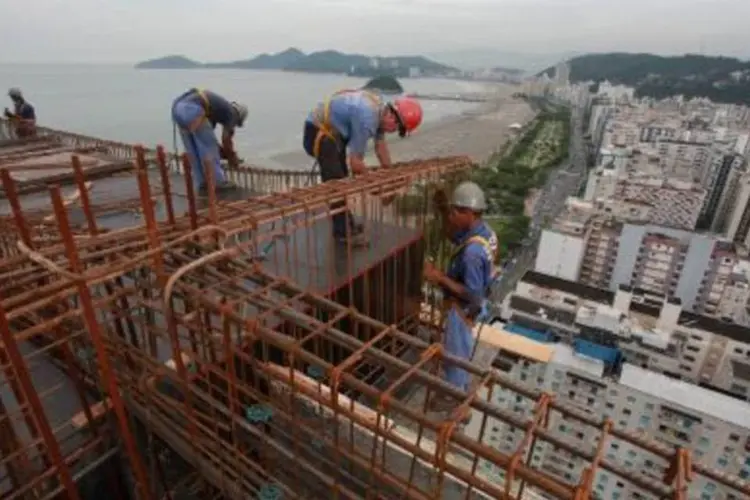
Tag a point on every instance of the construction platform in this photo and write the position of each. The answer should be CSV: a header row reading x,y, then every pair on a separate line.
x,y
230,349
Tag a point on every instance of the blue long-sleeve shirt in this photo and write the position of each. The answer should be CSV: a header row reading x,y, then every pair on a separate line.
x,y
354,116
220,110
25,111
471,266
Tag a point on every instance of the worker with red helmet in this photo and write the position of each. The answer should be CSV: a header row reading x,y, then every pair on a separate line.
x,y
336,134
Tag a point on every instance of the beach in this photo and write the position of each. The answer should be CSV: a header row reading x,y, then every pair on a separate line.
x,y
476,133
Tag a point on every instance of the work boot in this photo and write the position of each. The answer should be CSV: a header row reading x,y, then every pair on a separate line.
x,y
225,186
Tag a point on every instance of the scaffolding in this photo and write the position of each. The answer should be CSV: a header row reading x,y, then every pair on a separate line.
x,y
201,348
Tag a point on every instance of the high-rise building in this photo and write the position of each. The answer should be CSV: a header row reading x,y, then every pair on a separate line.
x,y
713,426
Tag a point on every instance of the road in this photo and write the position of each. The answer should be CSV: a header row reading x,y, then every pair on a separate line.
x,y
564,181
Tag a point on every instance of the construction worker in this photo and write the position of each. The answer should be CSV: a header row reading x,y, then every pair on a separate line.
x,y
23,115
466,283
345,123
196,114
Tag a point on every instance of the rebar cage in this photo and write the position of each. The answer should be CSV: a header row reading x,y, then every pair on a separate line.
x,y
232,349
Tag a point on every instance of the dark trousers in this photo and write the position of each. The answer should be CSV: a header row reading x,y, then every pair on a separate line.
x,y
332,161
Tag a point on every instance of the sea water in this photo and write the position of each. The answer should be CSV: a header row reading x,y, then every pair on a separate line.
x,y
130,105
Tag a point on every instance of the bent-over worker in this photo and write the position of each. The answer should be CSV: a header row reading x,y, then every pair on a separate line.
x,y
23,115
346,122
466,283
196,114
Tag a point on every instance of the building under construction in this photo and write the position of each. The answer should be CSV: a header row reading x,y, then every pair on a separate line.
x,y
160,345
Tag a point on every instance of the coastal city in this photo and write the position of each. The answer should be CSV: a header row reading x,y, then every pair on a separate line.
x,y
633,300
195,319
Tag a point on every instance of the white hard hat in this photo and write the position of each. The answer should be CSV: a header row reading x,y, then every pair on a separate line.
x,y
469,195
15,93
241,110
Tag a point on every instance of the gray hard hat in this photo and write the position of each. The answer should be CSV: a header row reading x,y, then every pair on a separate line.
x,y
241,110
15,93
469,195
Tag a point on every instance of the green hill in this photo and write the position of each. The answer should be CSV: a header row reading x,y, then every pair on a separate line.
x,y
721,79
384,84
327,61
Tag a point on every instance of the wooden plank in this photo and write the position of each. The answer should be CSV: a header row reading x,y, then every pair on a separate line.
x,y
98,410
307,385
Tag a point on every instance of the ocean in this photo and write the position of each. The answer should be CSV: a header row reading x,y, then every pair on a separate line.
x,y
129,105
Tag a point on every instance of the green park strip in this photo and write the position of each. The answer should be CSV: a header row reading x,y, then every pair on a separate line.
x,y
509,178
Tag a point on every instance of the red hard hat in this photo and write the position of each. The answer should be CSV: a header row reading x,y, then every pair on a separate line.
x,y
409,113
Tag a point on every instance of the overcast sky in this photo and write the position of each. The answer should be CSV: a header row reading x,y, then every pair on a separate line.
x,y
133,30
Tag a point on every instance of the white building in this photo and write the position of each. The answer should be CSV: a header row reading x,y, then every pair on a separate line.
x,y
713,427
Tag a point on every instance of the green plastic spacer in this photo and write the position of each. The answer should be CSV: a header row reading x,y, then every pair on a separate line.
x,y
315,372
270,492
258,413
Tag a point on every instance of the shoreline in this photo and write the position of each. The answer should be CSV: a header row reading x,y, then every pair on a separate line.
x,y
476,133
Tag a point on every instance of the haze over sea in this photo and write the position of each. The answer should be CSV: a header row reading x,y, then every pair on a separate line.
x,y
129,105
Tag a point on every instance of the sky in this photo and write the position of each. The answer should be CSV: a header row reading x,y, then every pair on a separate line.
x,y
127,31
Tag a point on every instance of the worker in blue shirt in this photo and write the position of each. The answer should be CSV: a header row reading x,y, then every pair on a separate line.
x,y
23,115
345,123
466,283
196,114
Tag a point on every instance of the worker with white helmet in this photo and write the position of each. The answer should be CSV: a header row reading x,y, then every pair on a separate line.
x,y
196,114
23,115
466,282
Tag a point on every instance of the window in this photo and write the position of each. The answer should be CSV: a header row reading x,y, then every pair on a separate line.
x,y
631,399
649,406
722,462
645,420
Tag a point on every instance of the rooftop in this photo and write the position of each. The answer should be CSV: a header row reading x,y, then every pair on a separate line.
x,y
733,331
687,395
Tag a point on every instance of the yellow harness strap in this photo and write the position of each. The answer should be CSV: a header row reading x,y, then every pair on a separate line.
x,y
324,123
474,239
451,302
206,109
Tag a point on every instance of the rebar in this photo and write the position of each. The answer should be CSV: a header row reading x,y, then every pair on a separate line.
x,y
291,372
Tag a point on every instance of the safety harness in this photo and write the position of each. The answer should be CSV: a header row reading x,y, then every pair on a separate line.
x,y
452,302
322,117
206,109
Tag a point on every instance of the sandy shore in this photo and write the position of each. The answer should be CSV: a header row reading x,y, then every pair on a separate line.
x,y
477,133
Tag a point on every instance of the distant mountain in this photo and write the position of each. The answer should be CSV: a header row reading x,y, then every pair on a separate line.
x,y
169,62
480,58
278,61
721,79
328,61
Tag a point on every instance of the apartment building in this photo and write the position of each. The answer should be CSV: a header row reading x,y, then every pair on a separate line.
x,y
601,250
639,186
649,330
713,426
721,181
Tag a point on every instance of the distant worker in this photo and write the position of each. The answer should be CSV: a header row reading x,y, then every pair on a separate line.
x,y
23,115
196,114
466,283
348,120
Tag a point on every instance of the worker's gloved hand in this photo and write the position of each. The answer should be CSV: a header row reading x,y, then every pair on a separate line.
x,y
484,313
